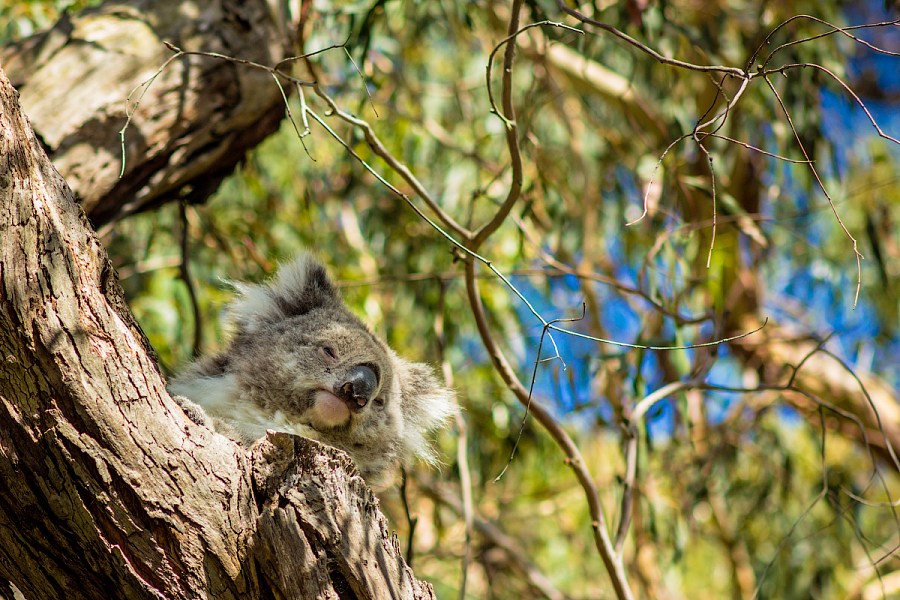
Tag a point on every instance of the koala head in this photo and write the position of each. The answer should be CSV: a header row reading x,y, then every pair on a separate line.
x,y
301,362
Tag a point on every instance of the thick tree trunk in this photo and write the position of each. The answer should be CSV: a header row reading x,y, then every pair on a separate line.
x,y
109,491
194,122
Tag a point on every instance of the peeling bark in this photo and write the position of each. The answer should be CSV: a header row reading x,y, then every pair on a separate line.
x,y
109,490
193,124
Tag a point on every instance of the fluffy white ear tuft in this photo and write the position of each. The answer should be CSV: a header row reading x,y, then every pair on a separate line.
x,y
254,307
299,287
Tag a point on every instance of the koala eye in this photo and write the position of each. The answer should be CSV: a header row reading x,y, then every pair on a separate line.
x,y
379,402
329,352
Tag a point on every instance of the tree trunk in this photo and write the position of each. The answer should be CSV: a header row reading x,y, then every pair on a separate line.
x,y
193,123
109,490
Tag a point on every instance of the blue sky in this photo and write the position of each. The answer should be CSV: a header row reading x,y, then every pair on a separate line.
x,y
822,292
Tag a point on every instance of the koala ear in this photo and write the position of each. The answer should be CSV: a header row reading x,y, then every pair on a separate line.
x,y
299,287
427,404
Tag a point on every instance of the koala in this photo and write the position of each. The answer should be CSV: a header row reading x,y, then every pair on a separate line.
x,y
300,362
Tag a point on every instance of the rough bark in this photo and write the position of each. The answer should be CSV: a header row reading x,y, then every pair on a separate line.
x,y
193,124
108,489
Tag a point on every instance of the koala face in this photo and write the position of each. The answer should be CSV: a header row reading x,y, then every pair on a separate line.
x,y
328,379
301,362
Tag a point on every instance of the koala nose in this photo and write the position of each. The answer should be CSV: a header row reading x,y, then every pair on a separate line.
x,y
359,387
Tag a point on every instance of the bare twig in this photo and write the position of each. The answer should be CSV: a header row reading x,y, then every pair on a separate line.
x,y
712,183
650,182
723,114
512,132
574,460
847,89
653,347
496,537
131,108
756,149
626,510
818,179
462,457
741,73
185,274
834,29
537,361
382,152
410,519
275,71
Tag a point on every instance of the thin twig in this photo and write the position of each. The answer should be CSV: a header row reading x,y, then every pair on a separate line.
x,y
130,109
489,264
494,536
717,342
574,460
818,179
512,133
741,73
756,149
715,211
382,152
626,510
723,114
847,89
179,53
462,457
835,29
249,63
363,78
410,519
537,361
185,274
652,175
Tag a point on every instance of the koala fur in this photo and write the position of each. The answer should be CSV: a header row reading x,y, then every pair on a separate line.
x,y
301,362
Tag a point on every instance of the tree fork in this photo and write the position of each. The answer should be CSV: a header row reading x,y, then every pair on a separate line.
x,y
108,488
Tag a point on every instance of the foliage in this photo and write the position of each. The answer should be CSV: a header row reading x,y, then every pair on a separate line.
x,y
739,492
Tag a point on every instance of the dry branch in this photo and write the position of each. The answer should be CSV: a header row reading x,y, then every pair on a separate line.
x,y
194,123
776,352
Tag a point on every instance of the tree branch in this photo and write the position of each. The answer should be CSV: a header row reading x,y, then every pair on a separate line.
x,y
574,460
109,489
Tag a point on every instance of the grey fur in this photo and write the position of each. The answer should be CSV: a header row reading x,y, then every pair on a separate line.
x,y
301,362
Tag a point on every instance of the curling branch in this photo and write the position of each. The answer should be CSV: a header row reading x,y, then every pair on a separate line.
x,y
574,460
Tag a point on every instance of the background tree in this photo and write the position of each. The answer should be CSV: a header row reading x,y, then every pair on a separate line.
x,y
668,174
